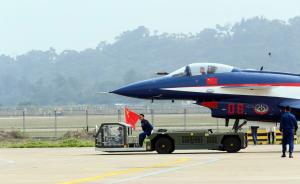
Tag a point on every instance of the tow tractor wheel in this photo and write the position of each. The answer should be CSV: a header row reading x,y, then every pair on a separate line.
x,y
232,144
164,145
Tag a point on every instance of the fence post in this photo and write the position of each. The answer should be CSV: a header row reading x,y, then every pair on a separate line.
x,y
87,120
184,118
23,120
119,115
152,116
55,123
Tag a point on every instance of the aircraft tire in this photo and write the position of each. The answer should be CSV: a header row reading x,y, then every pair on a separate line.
x,y
232,144
164,145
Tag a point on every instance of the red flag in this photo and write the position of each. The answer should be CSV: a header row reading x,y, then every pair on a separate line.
x,y
130,117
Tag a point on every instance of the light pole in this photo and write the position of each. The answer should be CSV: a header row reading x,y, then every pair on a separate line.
x,y
55,123
87,119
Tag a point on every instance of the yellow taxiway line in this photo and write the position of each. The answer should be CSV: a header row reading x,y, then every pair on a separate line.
x,y
125,171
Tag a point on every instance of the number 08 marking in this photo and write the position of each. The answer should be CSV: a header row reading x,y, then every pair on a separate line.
x,y
236,109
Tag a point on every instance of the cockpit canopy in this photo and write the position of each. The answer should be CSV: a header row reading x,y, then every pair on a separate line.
x,y
202,69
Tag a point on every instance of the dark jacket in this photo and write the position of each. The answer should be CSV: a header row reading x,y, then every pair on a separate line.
x,y
146,126
288,122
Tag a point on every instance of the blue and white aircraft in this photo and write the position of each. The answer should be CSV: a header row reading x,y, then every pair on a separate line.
x,y
230,93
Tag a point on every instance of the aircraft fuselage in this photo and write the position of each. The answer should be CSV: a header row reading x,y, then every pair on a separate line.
x,y
242,94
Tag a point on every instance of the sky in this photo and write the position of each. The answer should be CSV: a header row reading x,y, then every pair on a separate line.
x,y
79,24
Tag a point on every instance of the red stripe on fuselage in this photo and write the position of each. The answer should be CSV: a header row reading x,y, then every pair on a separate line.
x,y
247,85
211,105
262,84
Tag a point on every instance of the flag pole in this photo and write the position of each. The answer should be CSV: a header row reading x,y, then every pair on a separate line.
x,y
124,114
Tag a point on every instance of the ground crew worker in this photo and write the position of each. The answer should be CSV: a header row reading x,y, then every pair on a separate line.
x,y
146,127
271,134
254,134
288,125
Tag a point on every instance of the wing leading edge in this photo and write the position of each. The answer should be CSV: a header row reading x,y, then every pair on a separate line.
x,y
294,104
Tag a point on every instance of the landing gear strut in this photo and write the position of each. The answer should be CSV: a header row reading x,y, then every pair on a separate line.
x,y
236,126
227,122
241,125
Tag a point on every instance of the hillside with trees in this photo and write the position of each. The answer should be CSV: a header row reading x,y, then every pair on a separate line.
x,y
73,77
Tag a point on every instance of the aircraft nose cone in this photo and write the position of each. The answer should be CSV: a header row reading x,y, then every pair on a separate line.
x,y
121,91
137,90
126,91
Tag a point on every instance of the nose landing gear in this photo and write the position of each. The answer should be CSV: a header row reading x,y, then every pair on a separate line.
x,y
236,126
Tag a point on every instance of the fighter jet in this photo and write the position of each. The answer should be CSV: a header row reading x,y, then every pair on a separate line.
x,y
230,92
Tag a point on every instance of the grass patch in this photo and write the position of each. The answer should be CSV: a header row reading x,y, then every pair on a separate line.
x,y
29,143
17,139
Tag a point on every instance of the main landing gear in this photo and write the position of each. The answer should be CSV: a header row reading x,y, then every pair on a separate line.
x,y
236,126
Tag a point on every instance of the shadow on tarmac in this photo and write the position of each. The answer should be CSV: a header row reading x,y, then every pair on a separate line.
x,y
186,153
263,152
154,153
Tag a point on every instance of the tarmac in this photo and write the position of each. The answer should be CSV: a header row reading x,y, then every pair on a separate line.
x,y
256,164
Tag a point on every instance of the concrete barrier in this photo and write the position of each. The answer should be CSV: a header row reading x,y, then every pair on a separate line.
x,y
262,136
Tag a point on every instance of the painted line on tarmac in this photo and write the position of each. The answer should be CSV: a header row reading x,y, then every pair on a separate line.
x,y
165,171
127,171
5,161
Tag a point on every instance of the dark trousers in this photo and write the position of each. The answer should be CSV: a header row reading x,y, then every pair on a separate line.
x,y
254,136
288,138
142,137
271,137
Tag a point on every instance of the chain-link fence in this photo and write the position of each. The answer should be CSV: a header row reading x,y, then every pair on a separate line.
x,y
55,122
